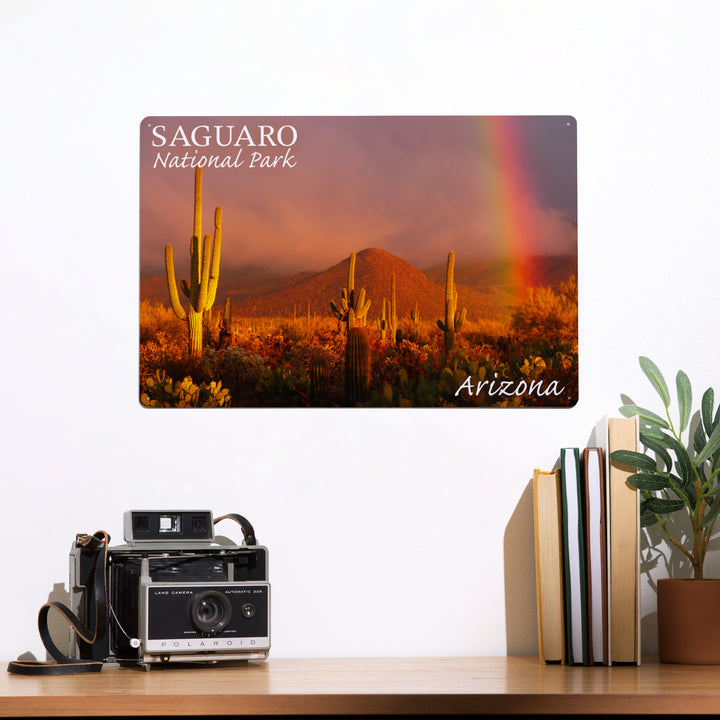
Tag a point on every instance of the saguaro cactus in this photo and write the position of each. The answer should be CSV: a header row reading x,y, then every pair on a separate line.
x,y
204,272
415,323
227,313
357,366
225,331
382,321
454,319
350,301
319,379
392,319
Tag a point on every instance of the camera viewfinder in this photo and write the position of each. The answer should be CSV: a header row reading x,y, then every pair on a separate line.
x,y
170,524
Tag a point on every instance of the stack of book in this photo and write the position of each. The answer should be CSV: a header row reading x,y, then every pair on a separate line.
x,y
587,553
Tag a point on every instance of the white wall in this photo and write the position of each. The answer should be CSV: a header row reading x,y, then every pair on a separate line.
x,y
389,531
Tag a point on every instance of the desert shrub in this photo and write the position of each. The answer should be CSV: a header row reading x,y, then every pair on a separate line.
x,y
269,366
283,386
547,314
485,332
162,391
433,380
238,369
293,330
164,353
155,318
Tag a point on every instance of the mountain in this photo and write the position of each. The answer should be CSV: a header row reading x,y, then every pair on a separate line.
x,y
549,270
482,288
155,290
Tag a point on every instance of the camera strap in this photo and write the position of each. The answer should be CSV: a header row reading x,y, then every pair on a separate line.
x,y
95,544
244,523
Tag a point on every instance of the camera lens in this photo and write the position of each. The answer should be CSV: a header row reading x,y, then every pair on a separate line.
x,y
210,612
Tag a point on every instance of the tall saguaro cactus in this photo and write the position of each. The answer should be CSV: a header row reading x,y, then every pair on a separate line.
x,y
225,330
350,301
415,322
204,272
319,379
392,320
382,321
454,319
357,366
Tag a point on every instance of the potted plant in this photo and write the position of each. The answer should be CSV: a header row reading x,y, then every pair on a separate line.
x,y
680,473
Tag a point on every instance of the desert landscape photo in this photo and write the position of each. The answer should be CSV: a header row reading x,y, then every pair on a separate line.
x,y
358,262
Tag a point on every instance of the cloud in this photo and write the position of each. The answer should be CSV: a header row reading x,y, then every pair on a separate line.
x,y
416,187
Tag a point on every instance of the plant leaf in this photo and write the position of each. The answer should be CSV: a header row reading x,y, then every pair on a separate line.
x,y
647,416
648,518
653,432
706,408
712,445
684,392
688,488
634,459
651,444
646,481
711,514
661,506
699,438
702,472
656,378
683,458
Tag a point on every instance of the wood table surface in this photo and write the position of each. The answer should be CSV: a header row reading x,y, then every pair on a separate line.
x,y
466,685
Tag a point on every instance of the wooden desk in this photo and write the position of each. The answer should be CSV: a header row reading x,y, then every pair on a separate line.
x,y
480,686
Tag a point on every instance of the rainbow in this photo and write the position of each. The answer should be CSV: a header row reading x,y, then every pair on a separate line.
x,y
504,179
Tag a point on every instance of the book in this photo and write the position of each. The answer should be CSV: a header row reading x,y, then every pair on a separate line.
x,y
596,554
624,545
573,509
549,565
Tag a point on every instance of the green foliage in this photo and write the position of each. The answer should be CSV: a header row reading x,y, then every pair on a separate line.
x,y
238,370
162,391
683,469
280,386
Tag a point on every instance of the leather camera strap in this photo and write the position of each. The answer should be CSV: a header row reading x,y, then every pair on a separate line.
x,y
244,523
63,665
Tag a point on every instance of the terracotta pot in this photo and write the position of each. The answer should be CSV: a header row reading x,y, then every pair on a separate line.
x,y
688,614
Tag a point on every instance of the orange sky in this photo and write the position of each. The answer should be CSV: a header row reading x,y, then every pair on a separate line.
x,y
415,186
